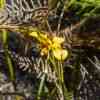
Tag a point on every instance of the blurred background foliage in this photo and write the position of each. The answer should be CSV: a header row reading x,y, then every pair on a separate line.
x,y
78,21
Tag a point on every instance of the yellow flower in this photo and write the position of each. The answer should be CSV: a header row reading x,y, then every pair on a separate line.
x,y
43,38
57,41
52,44
60,54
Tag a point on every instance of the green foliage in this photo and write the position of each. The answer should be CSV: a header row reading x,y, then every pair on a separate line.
x,y
80,7
84,7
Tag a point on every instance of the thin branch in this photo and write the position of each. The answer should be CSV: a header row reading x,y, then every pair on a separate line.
x,y
9,27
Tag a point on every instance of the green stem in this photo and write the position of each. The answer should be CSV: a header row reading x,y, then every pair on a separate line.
x,y
8,60
41,87
10,66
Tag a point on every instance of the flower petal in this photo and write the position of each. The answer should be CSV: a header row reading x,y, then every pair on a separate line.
x,y
55,46
60,54
58,40
33,34
44,51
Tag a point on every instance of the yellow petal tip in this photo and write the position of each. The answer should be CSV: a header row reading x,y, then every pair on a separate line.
x,y
60,54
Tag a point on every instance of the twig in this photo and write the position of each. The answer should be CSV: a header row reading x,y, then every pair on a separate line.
x,y
9,27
